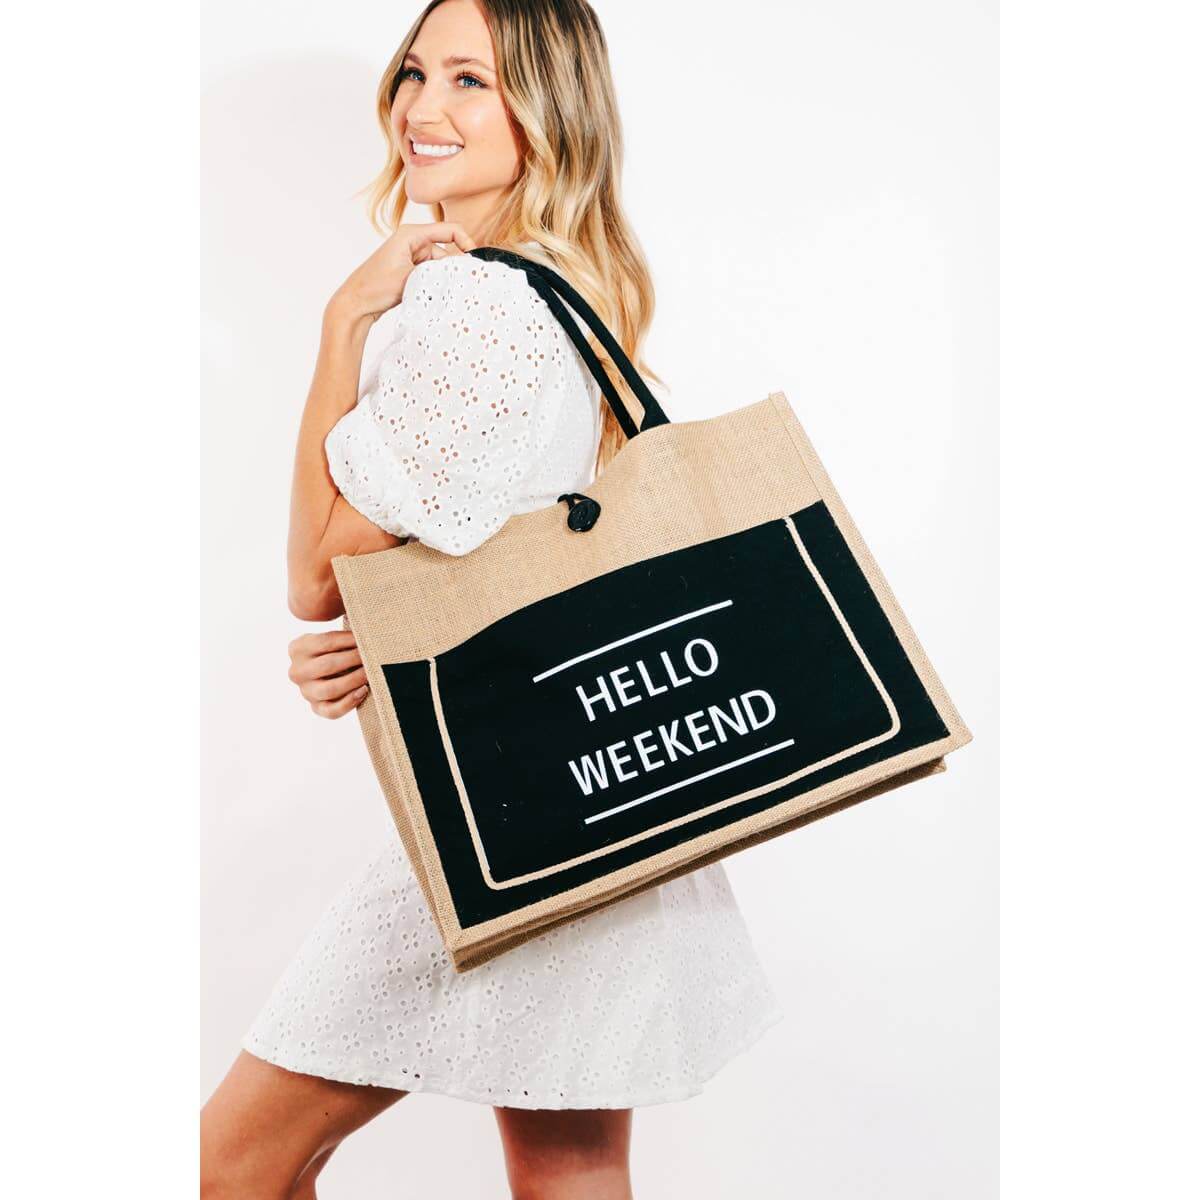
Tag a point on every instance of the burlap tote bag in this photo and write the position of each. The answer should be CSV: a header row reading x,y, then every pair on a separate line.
x,y
697,655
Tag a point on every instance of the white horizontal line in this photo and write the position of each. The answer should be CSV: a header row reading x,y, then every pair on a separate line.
x,y
685,782
641,633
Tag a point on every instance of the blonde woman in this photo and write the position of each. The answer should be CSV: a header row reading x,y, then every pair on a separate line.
x,y
500,116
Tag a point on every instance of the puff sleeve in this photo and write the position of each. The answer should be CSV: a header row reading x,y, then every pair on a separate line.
x,y
445,443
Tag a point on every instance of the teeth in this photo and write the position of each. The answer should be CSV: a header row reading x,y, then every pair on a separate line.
x,y
439,151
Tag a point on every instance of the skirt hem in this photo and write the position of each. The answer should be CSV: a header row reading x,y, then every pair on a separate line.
x,y
506,1099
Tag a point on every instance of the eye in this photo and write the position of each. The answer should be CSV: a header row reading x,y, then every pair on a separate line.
x,y
404,74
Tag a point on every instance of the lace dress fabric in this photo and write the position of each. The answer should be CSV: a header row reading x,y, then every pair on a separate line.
x,y
478,408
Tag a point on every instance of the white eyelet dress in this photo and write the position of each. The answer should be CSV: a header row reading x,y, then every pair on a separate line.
x,y
481,407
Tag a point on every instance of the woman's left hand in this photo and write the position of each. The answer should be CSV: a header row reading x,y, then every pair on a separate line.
x,y
328,670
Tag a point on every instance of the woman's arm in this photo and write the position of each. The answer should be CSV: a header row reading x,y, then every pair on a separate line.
x,y
322,525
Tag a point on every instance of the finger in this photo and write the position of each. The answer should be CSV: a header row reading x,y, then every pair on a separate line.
x,y
453,248
450,232
318,666
332,709
334,689
320,643
323,666
343,660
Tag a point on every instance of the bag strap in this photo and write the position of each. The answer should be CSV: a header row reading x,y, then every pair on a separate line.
x,y
550,285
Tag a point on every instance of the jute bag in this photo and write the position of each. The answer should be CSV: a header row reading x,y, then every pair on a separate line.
x,y
697,655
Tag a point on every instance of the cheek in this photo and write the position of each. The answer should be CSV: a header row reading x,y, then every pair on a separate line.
x,y
399,118
488,125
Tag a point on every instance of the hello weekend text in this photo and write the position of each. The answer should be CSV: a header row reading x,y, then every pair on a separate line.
x,y
693,733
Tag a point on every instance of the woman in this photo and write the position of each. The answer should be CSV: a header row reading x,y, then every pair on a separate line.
x,y
499,115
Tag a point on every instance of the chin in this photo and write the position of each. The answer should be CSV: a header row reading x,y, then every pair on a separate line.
x,y
419,193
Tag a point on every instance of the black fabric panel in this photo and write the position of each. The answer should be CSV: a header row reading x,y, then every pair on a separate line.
x,y
772,659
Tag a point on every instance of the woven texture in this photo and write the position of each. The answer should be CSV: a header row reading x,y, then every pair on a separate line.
x,y
672,486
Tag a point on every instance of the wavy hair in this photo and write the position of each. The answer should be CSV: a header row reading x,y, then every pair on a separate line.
x,y
552,63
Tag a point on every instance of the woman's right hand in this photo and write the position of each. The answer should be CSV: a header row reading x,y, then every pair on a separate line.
x,y
328,670
378,284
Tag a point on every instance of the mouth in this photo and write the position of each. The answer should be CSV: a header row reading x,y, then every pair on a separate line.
x,y
426,153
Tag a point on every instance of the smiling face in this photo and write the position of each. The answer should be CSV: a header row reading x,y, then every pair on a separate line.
x,y
457,141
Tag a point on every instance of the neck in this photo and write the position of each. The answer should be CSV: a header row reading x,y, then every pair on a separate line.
x,y
474,213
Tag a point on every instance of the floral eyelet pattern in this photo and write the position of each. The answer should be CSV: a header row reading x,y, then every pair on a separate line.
x,y
638,1003
480,407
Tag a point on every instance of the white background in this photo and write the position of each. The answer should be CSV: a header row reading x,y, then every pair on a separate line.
x,y
863,245
816,191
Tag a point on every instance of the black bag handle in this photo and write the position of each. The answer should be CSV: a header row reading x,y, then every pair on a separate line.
x,y
549,284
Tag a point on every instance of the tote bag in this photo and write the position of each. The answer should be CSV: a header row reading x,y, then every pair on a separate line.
x,y
697,654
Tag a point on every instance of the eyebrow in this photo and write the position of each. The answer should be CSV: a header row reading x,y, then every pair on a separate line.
x,y
454,60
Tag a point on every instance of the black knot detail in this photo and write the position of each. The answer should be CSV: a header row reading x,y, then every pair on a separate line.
x,y
584,511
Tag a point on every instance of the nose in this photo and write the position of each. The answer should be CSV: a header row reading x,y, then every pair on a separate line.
x,y
421,121
424,113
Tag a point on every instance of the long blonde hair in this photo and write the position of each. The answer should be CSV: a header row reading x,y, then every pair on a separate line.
x,y
552,63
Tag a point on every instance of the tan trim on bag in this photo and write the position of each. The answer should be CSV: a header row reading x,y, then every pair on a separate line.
x,y
671,487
